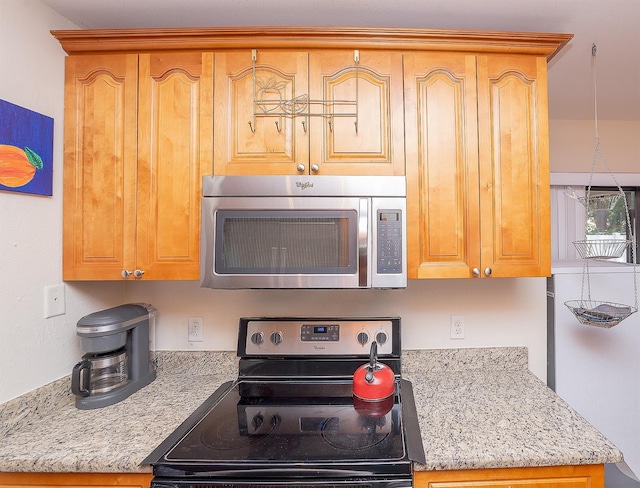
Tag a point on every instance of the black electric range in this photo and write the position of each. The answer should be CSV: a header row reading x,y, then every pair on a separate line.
x,y
290,416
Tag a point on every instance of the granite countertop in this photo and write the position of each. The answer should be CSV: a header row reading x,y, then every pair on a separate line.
x,y
483,408
477,408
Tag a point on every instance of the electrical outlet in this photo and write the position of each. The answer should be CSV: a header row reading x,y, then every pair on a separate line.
x,y
457,327
54,300
196,329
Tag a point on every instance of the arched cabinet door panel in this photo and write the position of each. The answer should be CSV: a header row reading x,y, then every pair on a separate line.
x,y
100,151
442,179
514,165
372,141
246,144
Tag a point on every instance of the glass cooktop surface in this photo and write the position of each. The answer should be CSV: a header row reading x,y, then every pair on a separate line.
x,y
294,422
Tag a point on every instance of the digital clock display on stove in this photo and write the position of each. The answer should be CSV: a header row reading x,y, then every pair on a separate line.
x,y
313,333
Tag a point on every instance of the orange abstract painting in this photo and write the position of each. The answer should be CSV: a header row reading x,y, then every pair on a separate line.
x,y
26,150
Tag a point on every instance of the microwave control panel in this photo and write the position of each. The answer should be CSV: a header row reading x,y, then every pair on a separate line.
x,y
389,241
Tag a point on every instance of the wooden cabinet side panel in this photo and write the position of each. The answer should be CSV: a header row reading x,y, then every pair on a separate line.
x,y
175,120
442,166
99,166
514,165
76,480
244,144
582,476
373,146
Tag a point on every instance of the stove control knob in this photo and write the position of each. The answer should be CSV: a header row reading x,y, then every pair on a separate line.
x,y
257,421
362,338
276,338
257,338
275,421
381,337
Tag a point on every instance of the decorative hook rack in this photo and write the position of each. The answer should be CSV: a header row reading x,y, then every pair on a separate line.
x,y
269,100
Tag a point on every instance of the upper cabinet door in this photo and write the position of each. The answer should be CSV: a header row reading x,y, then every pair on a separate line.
x,y
175,131
514,165
375,144
442,165
250,138
100,140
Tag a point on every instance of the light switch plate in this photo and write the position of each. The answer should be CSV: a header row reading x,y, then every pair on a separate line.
x,y
54,303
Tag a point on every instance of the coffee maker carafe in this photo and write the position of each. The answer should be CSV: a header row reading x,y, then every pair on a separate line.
x,y
118,358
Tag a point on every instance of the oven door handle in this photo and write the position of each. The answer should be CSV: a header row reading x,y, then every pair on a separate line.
x,y
363,243
274,473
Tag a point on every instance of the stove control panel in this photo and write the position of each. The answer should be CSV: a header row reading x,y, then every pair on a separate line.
x,y
323,337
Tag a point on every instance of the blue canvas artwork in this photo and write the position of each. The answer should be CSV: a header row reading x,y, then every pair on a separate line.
x,y
26,150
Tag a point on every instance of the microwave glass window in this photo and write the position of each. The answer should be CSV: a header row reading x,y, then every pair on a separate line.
x,y
291,242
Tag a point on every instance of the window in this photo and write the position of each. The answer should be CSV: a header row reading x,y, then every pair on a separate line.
x,y
607,216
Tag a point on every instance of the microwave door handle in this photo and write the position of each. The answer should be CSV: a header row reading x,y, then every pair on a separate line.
x,y
363,242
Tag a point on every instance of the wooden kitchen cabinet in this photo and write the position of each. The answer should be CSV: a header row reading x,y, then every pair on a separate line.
x,y
582,476
248,145
466,111
138,139
375,144
478,182
514,165
331,144
77,480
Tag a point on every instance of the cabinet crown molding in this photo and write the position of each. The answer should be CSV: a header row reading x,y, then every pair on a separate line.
x,y
216,38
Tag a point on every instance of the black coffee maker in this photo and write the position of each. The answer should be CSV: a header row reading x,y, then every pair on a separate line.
x,y
118,358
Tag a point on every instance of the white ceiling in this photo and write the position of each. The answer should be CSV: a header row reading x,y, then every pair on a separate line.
x,y
613,25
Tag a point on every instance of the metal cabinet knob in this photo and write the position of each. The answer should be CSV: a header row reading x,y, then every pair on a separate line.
x,y
315,168
138,273
476,272
301,167
487,271
125,273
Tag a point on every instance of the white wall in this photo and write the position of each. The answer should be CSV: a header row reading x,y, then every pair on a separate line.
x,y
498,312
572,144
33,350
597,368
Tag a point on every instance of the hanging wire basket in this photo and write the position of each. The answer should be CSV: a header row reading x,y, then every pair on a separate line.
x,y
601,248
599,314
600,202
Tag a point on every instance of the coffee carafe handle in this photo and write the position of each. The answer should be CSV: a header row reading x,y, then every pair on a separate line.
x,y
80,377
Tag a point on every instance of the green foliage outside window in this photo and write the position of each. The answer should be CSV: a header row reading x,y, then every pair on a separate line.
x,y
607,214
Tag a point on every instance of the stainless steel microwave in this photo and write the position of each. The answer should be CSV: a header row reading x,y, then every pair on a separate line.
x,y
303,232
